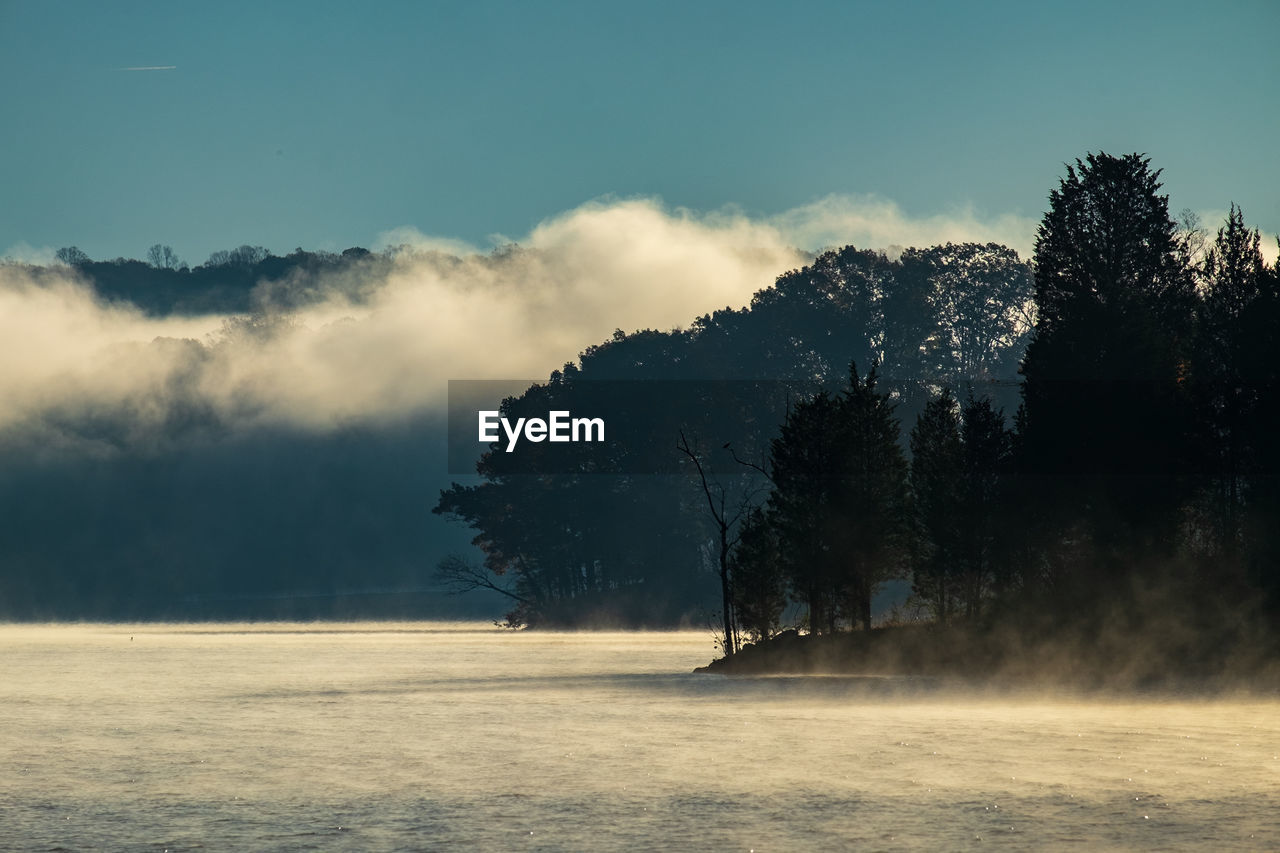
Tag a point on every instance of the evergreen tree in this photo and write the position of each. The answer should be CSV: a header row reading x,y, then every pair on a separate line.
x,y
1229,359
1262,493
958,459
984,524
759,589
806,460
937,472
1105,408
840,501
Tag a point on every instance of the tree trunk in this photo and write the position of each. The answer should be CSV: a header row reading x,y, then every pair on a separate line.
x,y
726,595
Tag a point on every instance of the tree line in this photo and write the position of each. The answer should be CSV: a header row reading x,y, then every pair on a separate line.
x,y
569,544
1085,430
232,281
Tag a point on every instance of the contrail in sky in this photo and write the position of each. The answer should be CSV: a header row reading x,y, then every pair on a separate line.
x,y
151,68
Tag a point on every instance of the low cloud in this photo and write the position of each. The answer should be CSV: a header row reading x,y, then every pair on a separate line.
x,y
383,347
25,253
873,222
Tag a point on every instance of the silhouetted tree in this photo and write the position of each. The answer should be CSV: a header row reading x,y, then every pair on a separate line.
x,y
839,503
164,258
980,298
242,256
985,523
726,521
937,485
1105,414
1229,371
959,456
1262,493
71,256
805,461
910,329
759,588
815,319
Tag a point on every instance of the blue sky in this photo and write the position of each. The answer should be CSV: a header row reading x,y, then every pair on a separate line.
x,y
325,126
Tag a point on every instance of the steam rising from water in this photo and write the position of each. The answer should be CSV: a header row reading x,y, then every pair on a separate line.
x,y
379,347
382,736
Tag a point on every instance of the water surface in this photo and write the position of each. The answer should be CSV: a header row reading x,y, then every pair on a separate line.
x,y
409,736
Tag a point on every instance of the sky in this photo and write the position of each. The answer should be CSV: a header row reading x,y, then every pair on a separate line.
x,y
324,125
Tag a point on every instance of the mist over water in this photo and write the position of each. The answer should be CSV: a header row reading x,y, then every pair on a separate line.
x,y
409,736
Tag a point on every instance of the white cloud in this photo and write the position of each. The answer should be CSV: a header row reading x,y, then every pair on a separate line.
x,y
442,311
25,253
407,235
869,221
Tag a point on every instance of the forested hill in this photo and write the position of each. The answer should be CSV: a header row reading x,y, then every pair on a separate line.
x,y
158,508
231,281
1076,445
639,544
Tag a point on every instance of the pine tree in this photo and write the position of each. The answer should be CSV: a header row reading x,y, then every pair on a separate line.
x,y
1105,407
876,503
805,461
987,446
1262,492
1227,375
958,459
759,589
937,472
840,501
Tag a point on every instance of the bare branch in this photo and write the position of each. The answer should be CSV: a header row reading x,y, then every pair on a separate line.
x,y
747,463
459,575
684,447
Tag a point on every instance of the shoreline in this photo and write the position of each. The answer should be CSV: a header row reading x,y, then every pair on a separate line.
x,y
1006,657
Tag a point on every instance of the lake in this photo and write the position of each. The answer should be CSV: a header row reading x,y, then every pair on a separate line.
x,y
382,736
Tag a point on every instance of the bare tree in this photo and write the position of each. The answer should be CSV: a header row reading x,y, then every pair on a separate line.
x,y
240,256
71,256
164,258
717,502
